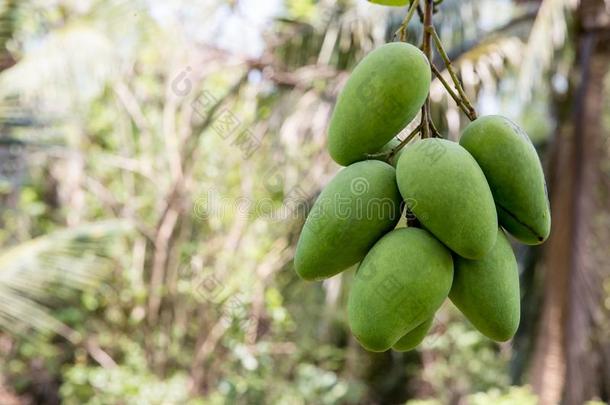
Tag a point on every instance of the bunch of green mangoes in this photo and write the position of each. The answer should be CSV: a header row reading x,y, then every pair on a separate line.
x,y
464,195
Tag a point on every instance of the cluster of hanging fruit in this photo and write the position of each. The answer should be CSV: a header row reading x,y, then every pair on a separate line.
x,y
461,198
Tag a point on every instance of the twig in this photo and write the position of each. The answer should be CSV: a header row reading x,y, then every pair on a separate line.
x,y
447,87
159,264
435,132
427,49
402,31
203,348
405,141
99,355
132,106
390,154
439,46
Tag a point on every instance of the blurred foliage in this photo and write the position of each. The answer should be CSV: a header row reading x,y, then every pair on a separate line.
x,y
131,382
513,395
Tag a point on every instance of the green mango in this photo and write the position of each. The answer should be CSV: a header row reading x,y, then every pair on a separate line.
x,y
515,176
400,283
446,190
358,206
383,94
487,291
412,339
396,3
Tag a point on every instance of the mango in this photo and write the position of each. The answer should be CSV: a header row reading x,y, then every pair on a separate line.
x,y
400,284
515,176
412,339
487,291
383,94
358,206
447,191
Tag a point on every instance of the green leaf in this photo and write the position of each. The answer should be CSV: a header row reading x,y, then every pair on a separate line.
x,y
395,3
78,258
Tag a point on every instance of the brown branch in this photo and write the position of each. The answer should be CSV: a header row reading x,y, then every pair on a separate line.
x,y
162,247
402,30
472,115
131,105
398,147
447,87
427,49
99,355
204,348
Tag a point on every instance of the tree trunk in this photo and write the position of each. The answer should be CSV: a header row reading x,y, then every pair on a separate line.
x,y
572,357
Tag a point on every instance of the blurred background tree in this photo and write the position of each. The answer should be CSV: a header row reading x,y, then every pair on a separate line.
x,y
157,161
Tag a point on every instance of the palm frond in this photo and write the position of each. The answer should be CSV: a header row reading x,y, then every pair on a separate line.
x,y
77,258
480,68
70,66
490,58
548,33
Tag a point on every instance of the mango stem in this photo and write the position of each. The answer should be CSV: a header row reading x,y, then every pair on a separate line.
x,y
405,141
471,113
402,31
387,155
427,50
455,97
